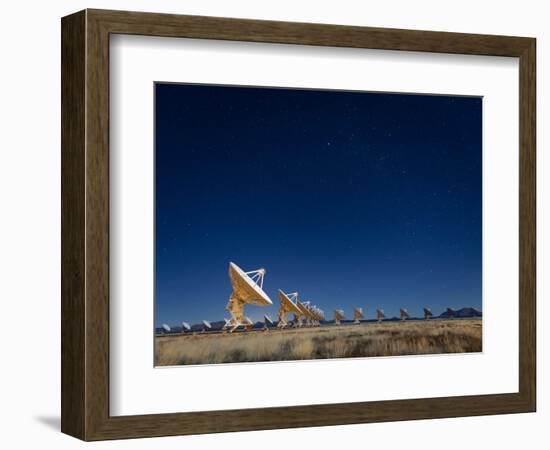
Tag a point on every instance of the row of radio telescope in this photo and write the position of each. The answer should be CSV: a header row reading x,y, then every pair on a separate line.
x,y
358,314
248,289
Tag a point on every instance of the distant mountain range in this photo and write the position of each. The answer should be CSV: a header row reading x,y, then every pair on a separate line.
x,y
462,313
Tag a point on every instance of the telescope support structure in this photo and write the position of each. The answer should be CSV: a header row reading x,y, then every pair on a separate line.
x,y
282,317
235,307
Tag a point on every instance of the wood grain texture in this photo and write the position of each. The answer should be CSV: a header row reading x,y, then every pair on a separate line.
x,y
527,224
73,226
85,224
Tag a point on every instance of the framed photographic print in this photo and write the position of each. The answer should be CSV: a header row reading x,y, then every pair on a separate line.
x,y
248,202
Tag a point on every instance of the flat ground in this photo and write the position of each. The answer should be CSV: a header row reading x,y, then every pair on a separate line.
x,y
329,341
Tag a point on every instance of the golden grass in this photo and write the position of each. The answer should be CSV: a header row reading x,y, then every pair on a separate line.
x,y
331,341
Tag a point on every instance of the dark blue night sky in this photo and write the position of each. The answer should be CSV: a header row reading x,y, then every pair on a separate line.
x,y
349,198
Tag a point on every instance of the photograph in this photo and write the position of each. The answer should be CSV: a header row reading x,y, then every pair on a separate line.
x,y
304,224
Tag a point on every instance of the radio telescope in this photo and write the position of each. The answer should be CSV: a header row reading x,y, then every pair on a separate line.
x,y
303,317
404,314
247,289
308,313
358,314
185,327
380,314
427,313
206,326
318,315
288,304
166,328
338,316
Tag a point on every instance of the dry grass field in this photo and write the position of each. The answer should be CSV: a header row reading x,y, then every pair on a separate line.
x,y
330,341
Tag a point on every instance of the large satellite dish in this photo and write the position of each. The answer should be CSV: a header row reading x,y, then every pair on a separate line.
x,y
185,327
247,289
206,325
338,316
404,314
427,313
317,315
287,305
358,314
166,328
306,313
321,315
380,314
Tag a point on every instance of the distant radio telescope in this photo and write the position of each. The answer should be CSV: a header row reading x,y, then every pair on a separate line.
x,y
308,311
318,315
358,314
166,328
427,313
305,316
185,327
380,315
247,289
287,305
338,316
312,314
404,314
206,326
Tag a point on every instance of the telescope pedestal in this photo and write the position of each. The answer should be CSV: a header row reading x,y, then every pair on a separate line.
x,y
282,317
236,309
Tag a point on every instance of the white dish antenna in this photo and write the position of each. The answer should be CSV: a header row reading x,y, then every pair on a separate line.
x,y
247,286
287,305
307,314
427,313
185,326
317,315
358,314
247,289
404,314
338,316
321,314
206,325
166,328
380,314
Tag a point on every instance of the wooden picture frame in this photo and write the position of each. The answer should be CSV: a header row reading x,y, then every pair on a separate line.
x,y
85,224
